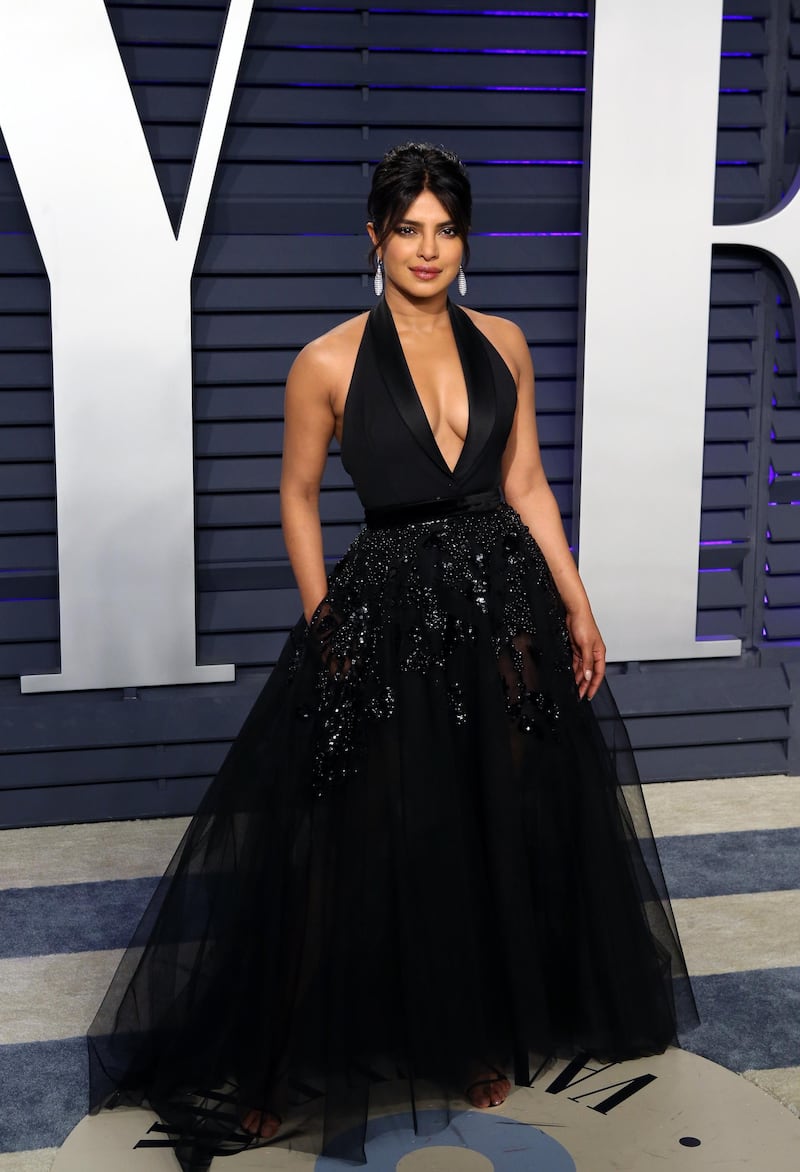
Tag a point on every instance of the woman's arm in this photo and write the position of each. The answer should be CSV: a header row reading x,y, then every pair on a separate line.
x,y
525,487
308,429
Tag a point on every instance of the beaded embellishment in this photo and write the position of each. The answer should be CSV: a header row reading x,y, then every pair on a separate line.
x,y
408,598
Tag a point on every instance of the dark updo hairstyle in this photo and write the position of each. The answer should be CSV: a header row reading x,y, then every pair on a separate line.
x,y
409,169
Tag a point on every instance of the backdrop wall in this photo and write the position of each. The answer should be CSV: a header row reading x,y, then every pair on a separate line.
x,y
321,94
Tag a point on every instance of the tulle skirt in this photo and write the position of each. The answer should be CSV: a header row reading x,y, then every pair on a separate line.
x,y
424,858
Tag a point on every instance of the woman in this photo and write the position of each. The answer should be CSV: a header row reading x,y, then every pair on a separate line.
x,y
417,872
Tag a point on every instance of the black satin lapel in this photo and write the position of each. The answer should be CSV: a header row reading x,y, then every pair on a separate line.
x,y
391,363
480,386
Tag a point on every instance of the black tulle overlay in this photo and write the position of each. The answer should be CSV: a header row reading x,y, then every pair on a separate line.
x,y
423,857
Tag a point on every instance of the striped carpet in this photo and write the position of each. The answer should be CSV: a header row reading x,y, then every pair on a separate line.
x,y
70,896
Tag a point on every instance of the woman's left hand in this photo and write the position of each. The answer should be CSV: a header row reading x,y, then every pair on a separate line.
x,y
588,652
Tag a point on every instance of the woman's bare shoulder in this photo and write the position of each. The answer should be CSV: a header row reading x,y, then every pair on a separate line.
x,y
506,337
334,352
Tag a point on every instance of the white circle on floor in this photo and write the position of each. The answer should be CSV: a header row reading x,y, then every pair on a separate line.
x,y
445,1160
675,1111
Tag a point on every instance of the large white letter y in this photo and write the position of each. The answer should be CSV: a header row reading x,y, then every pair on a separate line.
x,y
120,295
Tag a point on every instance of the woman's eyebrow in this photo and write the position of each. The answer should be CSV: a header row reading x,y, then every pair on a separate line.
x,y
418,223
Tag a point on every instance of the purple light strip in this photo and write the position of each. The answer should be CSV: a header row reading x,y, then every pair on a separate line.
x,y
438,49
464,52
525,234
501,89
481,12
470,52
524,162
468,89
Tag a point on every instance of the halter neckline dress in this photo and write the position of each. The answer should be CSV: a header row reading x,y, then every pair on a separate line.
x,y
423,855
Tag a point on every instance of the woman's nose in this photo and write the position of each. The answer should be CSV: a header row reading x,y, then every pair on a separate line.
x,y
428,247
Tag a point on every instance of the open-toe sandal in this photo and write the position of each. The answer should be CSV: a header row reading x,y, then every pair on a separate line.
x,y
485,1082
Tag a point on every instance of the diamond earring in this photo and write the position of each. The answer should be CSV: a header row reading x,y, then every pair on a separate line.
x,y
377,280
462,281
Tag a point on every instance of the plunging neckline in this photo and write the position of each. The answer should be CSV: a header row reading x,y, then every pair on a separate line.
x,y
381,346
410,380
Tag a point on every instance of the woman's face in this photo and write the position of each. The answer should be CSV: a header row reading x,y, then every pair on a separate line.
x,y
422,255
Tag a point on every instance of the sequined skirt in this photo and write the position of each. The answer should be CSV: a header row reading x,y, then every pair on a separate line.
x,y
424,855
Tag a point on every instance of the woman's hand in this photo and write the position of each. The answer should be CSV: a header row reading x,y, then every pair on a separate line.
x,y
588,652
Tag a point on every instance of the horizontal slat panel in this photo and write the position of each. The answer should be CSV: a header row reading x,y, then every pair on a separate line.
x,y
711,761
27,516
723,555
251,649
782,559
734,492
782,623
728,425
25,407
120,763
558,210
24,332
273,67
728,460
232,544
721,589
25,370
249,253
20,294
722,526
720,624
784,523
27,551
228,475
256,330
27,480
702,690
26,443
248,610
241,509
787,425
735,390
346,29
162,715
721,728
783,591
246,145
101,802
488,291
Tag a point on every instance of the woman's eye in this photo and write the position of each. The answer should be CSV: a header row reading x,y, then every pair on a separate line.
x,y
405,230
448,231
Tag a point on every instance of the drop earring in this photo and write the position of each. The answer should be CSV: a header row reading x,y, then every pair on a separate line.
x,y
462,281
377,280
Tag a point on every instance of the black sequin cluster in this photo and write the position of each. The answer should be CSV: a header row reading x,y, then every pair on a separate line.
x,y
406,598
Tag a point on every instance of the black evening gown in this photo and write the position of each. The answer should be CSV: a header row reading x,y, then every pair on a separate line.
x,y
423,855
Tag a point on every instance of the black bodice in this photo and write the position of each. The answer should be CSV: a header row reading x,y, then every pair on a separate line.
x,y
388,447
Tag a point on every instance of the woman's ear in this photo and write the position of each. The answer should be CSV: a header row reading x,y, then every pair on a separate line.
x,y
373,235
